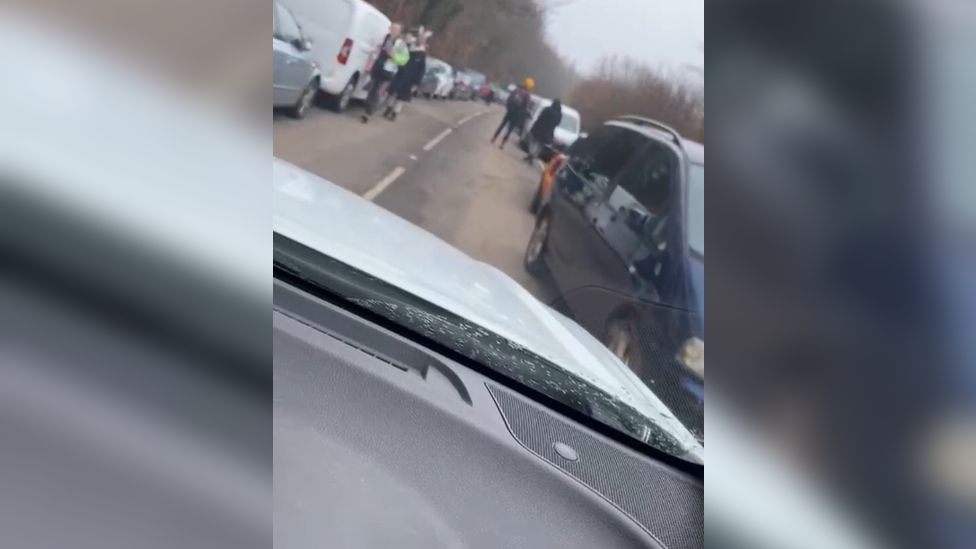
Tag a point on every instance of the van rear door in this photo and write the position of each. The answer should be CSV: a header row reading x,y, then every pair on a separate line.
x,y
327,23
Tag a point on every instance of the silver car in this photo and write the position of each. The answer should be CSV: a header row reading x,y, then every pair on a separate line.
x,y
296,76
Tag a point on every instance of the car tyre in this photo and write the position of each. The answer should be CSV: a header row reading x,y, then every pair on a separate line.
x,y
305,101
534,261
340,102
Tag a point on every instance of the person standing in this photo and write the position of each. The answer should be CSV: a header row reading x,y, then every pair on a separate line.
x,y
409,75
393,53
516,111
544,129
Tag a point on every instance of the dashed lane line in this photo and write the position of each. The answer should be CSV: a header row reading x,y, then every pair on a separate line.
x,y
470,116
433,142
384,183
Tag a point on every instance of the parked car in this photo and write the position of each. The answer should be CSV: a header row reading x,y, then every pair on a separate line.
x,y
622,233
345,36
438,81
466,84
295,76
501,95
566,133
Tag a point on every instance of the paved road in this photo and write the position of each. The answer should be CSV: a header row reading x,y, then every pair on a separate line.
x,y
435,167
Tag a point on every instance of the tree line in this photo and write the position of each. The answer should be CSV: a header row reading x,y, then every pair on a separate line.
x,y
506,40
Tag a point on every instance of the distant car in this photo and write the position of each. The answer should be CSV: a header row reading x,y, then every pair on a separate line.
x,y
622,233
566,133
438,81
346,35
466,84
295,76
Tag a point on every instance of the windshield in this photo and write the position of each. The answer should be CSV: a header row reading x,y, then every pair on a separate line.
x,y
696,208
579,391
569,122
439,207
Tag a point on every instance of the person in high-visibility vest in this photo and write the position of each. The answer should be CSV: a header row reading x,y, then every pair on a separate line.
x,y
408,76
392,55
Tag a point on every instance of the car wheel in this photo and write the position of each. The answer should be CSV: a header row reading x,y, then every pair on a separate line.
x,y
536,199
534,251
340,102
305,101
622,340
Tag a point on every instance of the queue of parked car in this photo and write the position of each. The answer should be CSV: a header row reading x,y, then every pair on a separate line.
x,y
323,49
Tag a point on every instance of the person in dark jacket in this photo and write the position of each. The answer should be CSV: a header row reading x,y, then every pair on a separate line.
x,y
408,76
384,68
544,129
516,111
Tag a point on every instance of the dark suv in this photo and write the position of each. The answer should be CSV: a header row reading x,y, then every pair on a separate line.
x,y
622,232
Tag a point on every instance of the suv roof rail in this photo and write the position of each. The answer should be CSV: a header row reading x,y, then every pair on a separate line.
x,y
644,121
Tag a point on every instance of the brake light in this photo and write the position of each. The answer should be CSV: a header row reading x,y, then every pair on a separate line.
x,y
344,52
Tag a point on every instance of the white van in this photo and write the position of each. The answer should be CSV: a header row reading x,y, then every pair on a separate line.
x,y
345,35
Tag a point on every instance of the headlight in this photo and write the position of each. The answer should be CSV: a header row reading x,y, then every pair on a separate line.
x,y
692,356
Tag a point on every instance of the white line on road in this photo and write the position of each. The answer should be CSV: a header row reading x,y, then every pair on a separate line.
x,y
470,116
433,142
384,183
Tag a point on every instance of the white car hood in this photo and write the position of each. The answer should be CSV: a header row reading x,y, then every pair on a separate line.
x,y
341,225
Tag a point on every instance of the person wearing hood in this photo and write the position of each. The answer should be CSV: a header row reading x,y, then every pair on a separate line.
x,y
409,75
516,111
544,129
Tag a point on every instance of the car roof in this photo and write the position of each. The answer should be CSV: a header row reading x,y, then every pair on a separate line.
x,y
545,102
693,150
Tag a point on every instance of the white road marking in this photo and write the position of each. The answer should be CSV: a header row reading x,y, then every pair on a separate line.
x,y
384,183
413,157
470,116
433,142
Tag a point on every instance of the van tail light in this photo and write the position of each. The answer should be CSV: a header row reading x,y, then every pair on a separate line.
x,y
345,51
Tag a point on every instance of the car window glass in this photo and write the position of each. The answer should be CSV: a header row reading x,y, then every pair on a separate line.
x,y
569,122
611,154
287,27
647,177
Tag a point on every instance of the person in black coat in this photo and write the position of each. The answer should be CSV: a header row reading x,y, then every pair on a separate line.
x,y
516,111
544,129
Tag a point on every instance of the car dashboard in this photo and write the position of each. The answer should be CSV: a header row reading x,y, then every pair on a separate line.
x,y
381,442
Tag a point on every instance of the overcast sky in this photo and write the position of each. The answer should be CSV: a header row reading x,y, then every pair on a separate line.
x,y
663,33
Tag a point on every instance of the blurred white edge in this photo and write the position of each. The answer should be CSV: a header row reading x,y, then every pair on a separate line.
x,y
87,129
754,497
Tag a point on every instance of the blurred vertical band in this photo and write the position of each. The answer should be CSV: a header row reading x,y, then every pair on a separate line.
x,y
846,276
135,355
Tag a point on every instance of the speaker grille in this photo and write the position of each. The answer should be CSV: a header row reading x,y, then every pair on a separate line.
x,y
668,506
